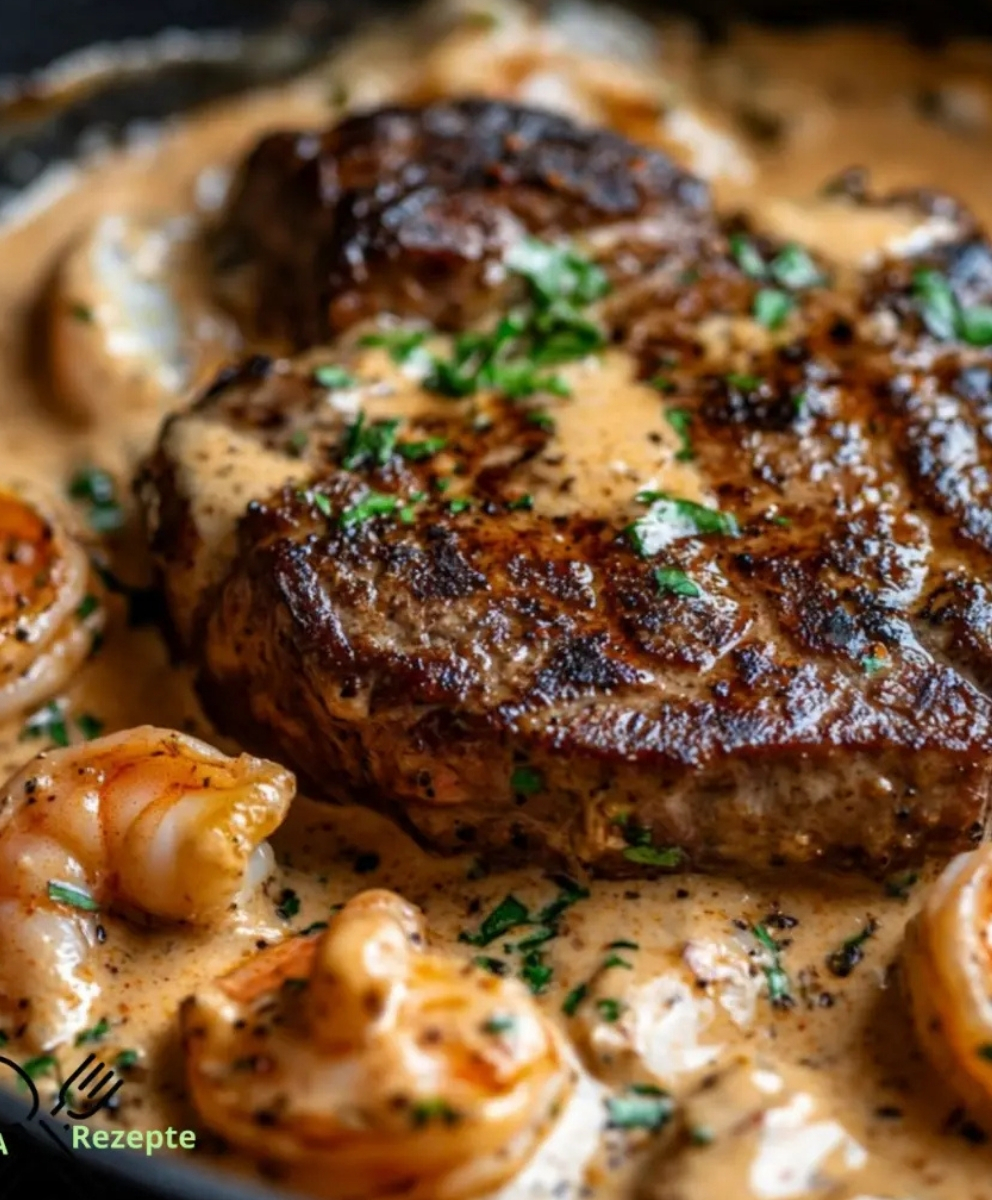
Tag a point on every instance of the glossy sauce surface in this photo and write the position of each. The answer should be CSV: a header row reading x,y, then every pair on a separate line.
x,y
768,118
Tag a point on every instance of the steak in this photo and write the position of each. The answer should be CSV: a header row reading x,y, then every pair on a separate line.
x,y
715,592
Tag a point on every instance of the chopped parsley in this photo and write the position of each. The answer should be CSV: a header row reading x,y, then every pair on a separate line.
x,y
771,307
508,914
842,961
81,312
87,607
95,488
541,419
423,1112
535,972
524,503
526,781
368,443
680,420
126,1060
570,1005
499,1024
41,1064
747,256
73,896
623,944
609,1009
459,505
511,914
513,357
779,989
288,904
664,384
670,519
899,886
418,451
298,443
791,268
654,856
48,722
89,726
743,383
95,1034
333,376
495,966
673,582
944,315
400,344
372,504
642,1106
612,961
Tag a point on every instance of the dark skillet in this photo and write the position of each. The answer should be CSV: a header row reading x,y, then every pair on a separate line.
x,y
285,37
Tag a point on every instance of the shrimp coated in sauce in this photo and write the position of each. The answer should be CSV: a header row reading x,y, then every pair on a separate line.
x,y
948,971
146,821
47,619
362,1063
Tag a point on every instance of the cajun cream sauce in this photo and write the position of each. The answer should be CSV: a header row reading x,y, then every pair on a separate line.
x,y
767,118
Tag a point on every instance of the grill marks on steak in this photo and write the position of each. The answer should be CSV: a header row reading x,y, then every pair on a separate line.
x,y
825,696
411,211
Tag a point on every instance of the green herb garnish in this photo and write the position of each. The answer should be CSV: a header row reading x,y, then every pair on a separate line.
x,y
95,488
372,504
747,256
944,315
48,722
526,781
771,307
609,1009
653,856
899,886
423,1112
126,1060
680,420
499,1024
509,914
642,1106
670,519
673,582
95,1034
841,962
73,896
87,607
368,443
418,451
89,726
41,1064
570,1005
401,344
333,376
793,268
779,989
288,904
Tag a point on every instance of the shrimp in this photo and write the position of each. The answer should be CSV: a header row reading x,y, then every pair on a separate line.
x,y
361,1062
146,821
49,612
128,328
947,962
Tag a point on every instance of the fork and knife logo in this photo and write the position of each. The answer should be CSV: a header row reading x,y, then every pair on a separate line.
x,y
90,1087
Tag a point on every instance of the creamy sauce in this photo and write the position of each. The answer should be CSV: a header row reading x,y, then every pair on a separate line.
x,y
768,118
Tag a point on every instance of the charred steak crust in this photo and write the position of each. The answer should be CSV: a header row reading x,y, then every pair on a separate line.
x,y
518,684
410,211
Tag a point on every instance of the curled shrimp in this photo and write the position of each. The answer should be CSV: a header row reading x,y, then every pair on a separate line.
x,y
146,821
47,623
947,962
363,1063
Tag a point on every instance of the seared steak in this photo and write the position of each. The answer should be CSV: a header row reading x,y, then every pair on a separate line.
x,y
434,588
